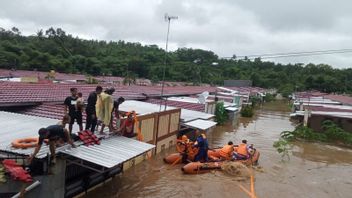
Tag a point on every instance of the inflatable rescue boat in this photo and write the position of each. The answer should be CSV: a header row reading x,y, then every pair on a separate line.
x,y
199,167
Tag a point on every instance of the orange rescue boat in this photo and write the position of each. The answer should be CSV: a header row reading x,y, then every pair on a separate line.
x,y
199,167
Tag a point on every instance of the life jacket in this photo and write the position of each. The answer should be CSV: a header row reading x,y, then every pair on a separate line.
x,y
242,149
226,152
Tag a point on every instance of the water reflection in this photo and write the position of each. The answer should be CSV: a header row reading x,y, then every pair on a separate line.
x,y
315,170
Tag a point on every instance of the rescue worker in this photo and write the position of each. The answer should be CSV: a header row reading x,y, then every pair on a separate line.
x,y
53,133
182,146
202,144
226,151
241,151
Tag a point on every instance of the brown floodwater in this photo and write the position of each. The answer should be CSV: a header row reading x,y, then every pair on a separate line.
x,y
314,169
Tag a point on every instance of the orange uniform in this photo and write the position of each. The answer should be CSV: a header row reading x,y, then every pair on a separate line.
x,y
226,152
242,149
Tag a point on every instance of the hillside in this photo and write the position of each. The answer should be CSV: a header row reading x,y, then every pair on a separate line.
x,y
55,49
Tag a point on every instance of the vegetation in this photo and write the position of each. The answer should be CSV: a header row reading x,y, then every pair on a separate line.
x,y
283,147
269,97
247,111
331,133
220,113
54,49
255,100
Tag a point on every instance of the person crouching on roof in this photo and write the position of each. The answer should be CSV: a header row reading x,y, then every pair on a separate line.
x,y
202,144
53,133
127,127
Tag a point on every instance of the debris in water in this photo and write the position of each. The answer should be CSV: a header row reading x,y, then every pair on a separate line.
x,y
236,169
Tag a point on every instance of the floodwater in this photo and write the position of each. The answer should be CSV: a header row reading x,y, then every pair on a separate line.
x,y
314,169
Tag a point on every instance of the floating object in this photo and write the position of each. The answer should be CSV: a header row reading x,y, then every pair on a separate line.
x,y
88,138
16,171
199,167
25,142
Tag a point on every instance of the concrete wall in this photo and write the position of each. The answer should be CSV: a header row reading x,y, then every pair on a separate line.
x,y
166,143
210,107
315,122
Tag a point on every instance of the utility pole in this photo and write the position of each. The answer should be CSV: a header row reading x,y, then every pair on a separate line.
x,y
168,19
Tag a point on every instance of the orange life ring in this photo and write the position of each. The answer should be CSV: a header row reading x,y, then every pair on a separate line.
x,y
25,143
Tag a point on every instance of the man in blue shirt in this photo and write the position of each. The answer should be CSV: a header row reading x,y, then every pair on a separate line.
x,y
202,144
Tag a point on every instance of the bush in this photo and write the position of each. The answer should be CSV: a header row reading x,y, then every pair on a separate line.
x,y
91,80
283,147
255,100
247,111
331,133
335,133
220,113
269,97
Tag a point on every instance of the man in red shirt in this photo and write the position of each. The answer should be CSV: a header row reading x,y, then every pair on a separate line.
x,y
127,127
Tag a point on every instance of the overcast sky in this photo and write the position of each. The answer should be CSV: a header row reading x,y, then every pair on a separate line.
x,y
227,27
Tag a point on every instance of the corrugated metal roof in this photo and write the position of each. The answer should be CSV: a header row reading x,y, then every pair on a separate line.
x,y
200,124
17,126
143,108
111,152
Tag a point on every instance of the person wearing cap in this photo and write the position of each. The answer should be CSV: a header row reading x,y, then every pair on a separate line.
x,y
104,108
53,133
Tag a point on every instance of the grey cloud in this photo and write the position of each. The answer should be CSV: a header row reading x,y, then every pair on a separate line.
x,y
226,27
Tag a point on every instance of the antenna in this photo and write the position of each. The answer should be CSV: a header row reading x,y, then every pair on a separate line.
x,y
168,18
203,97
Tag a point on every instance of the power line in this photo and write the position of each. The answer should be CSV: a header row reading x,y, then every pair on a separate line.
x,y
293,54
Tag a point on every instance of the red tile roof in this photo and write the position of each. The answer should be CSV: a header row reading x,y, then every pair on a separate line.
x,y
184,105
347,100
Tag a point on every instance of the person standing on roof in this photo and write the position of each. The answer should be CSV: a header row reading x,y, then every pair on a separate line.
x,y
72,111
104,108
53,133
117,113
91,119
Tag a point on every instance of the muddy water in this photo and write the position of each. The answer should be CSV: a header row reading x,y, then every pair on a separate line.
x,y
314,170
